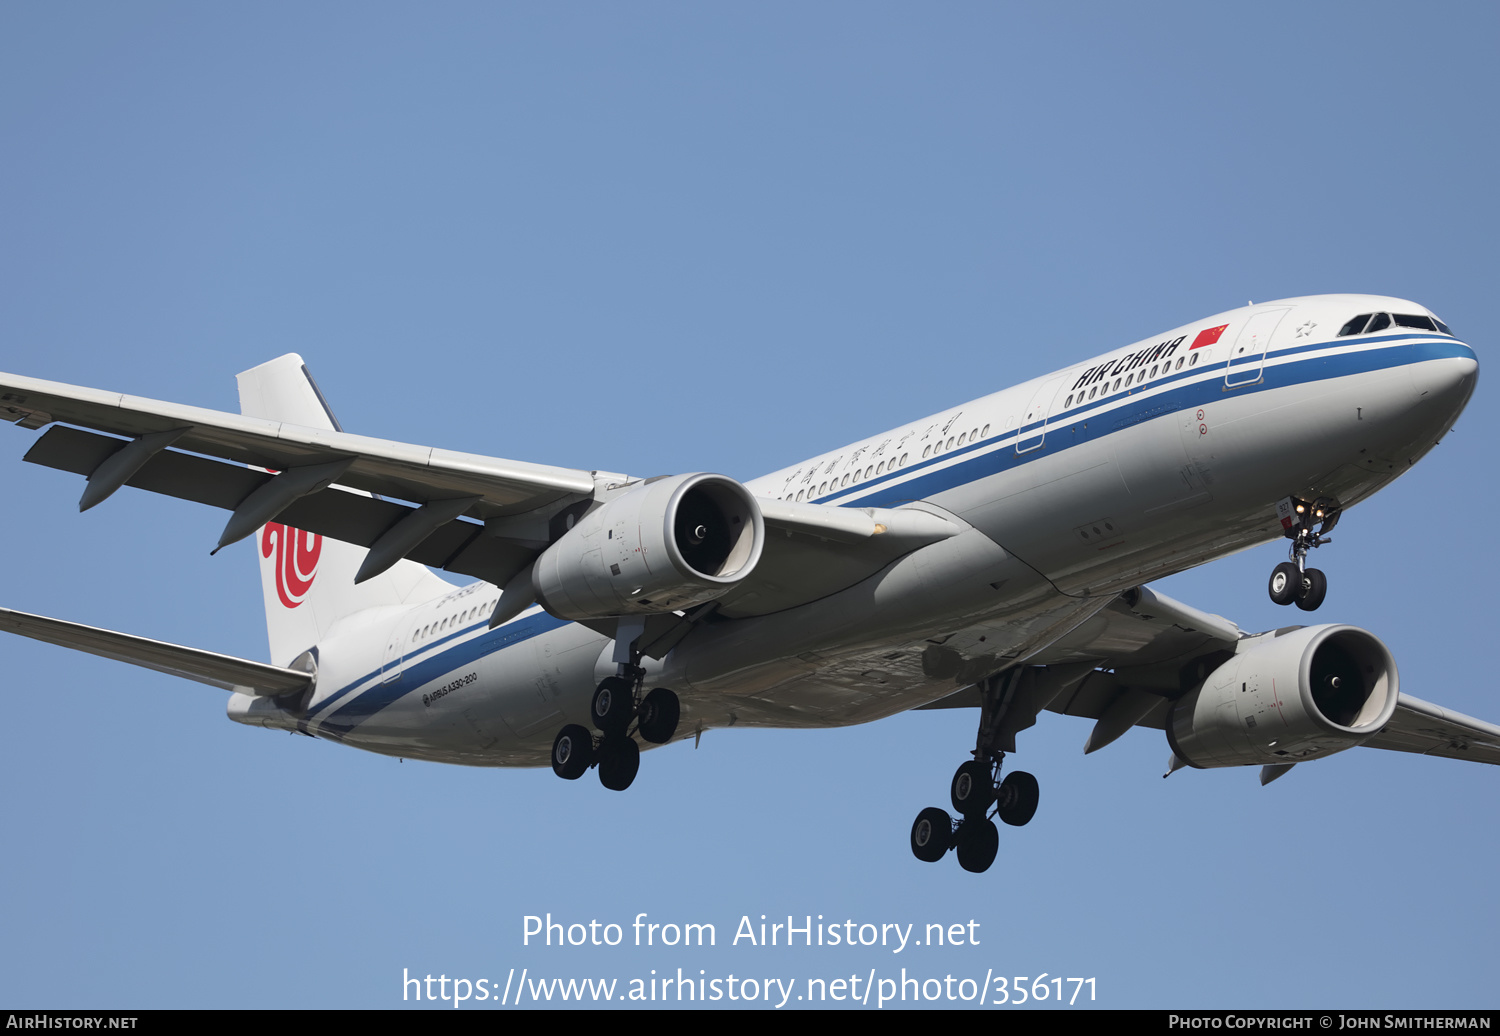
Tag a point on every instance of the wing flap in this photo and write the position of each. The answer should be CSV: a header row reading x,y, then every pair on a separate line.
x,y
210,667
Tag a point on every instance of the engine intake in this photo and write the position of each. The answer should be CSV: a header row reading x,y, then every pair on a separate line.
x,y
667,544
1302,695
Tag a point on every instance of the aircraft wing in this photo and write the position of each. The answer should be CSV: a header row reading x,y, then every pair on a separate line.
x,y
210,667
380,466
1426,729
1122,666
1144,647
473,515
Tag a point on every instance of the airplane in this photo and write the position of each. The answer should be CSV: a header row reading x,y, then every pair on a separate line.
x,y
993,556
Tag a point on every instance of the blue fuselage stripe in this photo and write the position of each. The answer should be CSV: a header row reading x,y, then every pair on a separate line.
x,y
434,665
1131,408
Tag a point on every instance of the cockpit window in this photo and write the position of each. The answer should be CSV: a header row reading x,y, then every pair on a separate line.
x,y
1381,321
1412,320
1354,326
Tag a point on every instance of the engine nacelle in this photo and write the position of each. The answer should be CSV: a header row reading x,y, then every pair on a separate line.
x,y
1303,695
668,544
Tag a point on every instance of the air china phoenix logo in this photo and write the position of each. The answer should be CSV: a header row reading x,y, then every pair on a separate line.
x,y
297,554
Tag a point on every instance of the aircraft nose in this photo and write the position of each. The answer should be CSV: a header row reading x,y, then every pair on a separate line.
x,y
1446,382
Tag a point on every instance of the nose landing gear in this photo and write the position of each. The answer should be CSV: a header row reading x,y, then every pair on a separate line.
x,y
977,793
1306,524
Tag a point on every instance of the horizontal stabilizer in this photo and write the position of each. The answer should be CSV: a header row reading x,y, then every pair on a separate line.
x,y
210,667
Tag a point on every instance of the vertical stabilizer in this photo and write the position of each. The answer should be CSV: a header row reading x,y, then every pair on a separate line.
x,y
308,580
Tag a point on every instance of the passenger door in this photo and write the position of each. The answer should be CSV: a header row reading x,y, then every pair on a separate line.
x,y
1247,357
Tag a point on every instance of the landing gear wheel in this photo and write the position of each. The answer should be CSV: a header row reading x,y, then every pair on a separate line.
x,y
971,790
978,842
572,752
1285,582
1018,798
619,760
1313,588
613,705
658,715
931,835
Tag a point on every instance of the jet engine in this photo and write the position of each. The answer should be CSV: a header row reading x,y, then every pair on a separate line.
x,y
667,544
1303,694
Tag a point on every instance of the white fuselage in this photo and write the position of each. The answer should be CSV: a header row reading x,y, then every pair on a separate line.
x,y
1113,472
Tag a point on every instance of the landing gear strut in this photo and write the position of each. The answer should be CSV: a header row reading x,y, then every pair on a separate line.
x,y
617,702
976,789
1306,524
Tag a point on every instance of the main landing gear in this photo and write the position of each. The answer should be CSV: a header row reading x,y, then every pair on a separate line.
x,y
617,703
978,795
1306,524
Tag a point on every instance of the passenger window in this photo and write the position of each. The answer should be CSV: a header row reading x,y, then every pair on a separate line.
x,y
925,451
1117,386
986,431
961,438
1179,363
1128,379
903,460
1192,359
1380,323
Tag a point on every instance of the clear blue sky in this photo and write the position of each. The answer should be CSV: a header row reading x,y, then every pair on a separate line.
x,y
660,238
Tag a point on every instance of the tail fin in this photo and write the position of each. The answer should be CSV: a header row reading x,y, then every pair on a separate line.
x,y
308,580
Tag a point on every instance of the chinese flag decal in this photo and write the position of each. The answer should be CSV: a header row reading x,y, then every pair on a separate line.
x,y
1208,337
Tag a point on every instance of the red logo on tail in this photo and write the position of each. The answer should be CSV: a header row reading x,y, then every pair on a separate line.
x,y
297,555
